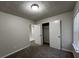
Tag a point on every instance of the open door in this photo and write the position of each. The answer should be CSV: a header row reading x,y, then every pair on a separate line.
x,y
36,34
55,36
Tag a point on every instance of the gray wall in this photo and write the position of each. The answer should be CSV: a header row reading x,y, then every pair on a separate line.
x,y
67,21
14,33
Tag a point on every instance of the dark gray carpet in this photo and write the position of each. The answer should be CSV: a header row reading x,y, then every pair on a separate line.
x,y
41,52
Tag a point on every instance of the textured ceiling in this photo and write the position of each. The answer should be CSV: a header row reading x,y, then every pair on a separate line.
x,y
46,8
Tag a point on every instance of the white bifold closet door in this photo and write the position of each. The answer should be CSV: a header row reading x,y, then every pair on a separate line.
x,y
55,37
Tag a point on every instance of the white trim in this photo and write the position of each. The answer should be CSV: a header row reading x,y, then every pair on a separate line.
x,y
15,51
76,47
67,50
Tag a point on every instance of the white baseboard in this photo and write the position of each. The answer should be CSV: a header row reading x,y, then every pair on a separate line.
x,y
67,50
15,51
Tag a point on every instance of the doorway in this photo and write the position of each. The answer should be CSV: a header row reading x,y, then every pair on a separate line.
x,y
45,28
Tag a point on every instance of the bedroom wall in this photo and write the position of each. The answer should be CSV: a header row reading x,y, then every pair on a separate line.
x,y
67,25
76,32
14,33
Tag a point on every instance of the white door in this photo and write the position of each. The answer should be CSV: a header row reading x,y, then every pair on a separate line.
x,y
36,34
54,28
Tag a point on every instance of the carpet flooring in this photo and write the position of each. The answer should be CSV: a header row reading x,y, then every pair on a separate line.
x,y
41,52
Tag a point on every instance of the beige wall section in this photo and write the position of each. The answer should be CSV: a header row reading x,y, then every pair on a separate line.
x,y
14,33
66,19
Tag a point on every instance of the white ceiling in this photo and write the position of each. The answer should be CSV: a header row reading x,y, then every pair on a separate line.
x,y
46,8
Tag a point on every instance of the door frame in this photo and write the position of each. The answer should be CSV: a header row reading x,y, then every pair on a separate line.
x,y
49,33
60,34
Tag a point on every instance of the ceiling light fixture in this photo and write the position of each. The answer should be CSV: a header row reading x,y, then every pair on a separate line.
x,y
35,7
